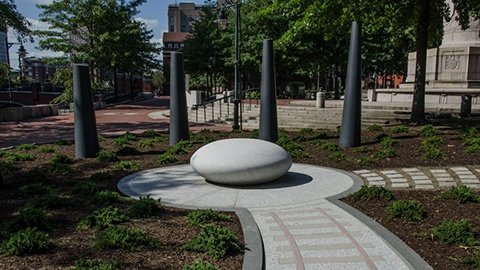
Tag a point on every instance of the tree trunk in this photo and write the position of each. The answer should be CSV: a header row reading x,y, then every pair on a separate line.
x,y
418,105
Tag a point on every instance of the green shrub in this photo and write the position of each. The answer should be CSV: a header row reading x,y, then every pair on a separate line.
x,y
388,142
150,133
474,148
217,242
471,137
144,207
61,159
102,218
200,264
473,260
8,166
462,194
306,131
294,149
93,265
433,141
430,152
127,165
206,216
470,133
329,147
87,188
30,190
123,238
21,157
375,127
62,142
29,217
24,242
373,192
101,138
106,197
364,161
386,153
428,131
121,142
407,210
146,143
127,150
166,158
129,136
26,147
47,149
100,176
337,156
400,129
454,233
106,156
363,149
50,201
180,148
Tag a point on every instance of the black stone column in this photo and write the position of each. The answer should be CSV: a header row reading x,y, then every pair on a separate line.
x,y
268,104
178,101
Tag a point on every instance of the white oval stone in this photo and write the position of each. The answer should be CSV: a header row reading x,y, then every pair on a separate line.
x,y
241,161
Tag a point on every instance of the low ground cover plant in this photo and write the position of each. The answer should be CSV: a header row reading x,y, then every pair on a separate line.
x,y
120,237
373,192
29,190
200,264
400,129
406,210
462,194
29,217
107,156
206,216
27,241
217,242
107,197
454,233
103,218
26,147
83,264
127,165
166,158
144,207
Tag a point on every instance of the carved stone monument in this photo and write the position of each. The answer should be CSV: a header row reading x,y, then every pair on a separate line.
x,y
453,69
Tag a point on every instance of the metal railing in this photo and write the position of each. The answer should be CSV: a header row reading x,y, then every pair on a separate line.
x,y
225,99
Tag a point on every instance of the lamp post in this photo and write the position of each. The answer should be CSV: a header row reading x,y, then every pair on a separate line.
x,y
222,23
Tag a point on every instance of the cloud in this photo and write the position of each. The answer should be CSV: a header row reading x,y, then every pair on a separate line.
x,y
152,24
38,25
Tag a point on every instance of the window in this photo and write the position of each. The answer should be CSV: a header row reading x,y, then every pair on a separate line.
x,y
169,45
171,28
175,46
171,19
183,28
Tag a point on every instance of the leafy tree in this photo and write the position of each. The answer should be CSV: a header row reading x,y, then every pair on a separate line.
x,y
10,17
158,79
3,72
64,77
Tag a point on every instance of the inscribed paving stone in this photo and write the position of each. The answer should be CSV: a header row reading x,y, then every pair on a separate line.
x,y
361,171
423,182
445,179
447,184
389,172
410,169
419,177
398,180
378,178
400,185
434,171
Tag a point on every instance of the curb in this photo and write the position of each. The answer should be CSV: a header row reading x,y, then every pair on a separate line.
x,y
410,256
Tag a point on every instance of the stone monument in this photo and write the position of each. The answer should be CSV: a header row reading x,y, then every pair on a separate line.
x,y
453,69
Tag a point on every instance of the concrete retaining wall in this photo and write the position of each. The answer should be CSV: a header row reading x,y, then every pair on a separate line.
x,y
21,113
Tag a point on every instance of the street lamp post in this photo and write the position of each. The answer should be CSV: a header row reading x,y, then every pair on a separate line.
x,y
222,22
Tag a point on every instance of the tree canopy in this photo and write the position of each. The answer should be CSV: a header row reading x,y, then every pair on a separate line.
x,y
10,17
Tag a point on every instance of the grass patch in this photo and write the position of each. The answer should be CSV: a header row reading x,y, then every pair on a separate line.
x,y
144,207
206,216
373,192
146,143
428,131
400,129
388,142
217,242
127,165
150,133
200,264
406,210
26,147
364,162
123,238
106,197
106,156
20,157
181,147
83,264
47,149
102,218
461,194
24,242
166,158
454,233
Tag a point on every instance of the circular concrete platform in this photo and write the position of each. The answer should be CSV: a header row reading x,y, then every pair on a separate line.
x,y
181,186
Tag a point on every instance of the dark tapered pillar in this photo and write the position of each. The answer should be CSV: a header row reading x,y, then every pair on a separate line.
x,y
268,104
351,118
178,101
86,137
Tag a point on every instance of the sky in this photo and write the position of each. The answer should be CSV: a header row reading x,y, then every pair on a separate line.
x,y
152,12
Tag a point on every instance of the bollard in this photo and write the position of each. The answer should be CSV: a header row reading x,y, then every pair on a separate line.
x,y
86,137
268,98
351,117
178,101
320,101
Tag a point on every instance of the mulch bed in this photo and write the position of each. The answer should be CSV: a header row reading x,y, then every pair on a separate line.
x,y
170,227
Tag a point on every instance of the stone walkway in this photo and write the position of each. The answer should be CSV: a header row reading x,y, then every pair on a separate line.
x,y
301,225
423,178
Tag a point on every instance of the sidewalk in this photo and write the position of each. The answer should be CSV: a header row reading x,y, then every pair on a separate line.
x,y
302,223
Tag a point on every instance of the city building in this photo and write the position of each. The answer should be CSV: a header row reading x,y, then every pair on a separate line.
x,y
182,17
37,70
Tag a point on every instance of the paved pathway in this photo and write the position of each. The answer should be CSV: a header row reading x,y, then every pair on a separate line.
x,y
423,178
301,228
